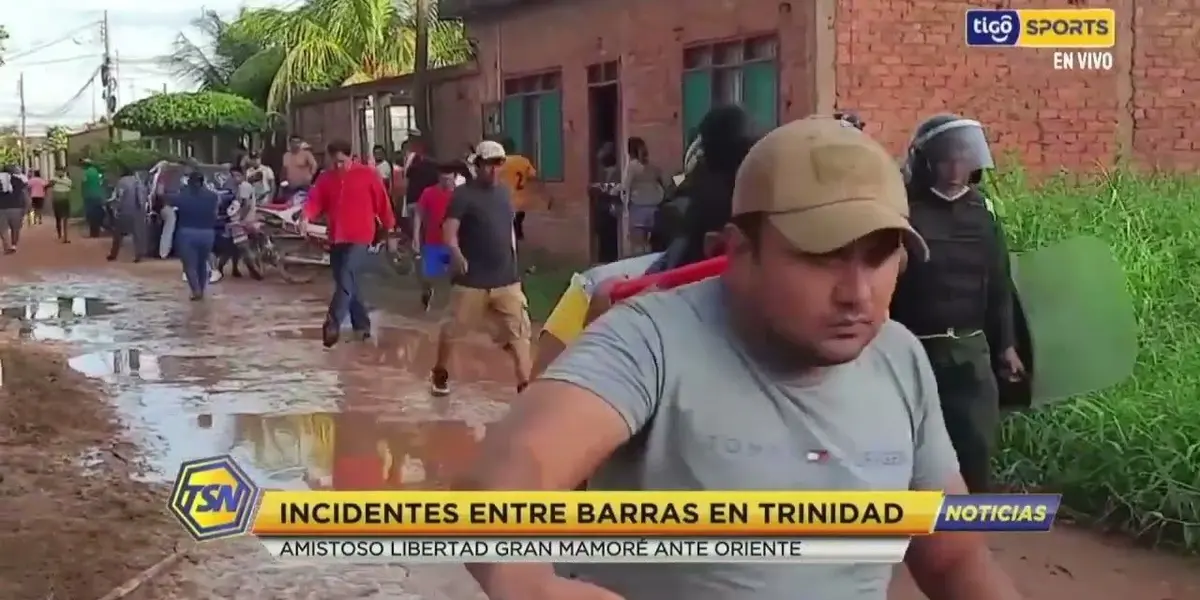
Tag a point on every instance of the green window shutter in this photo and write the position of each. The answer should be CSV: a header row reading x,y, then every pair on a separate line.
x,y
513,123
697,100
760,93
550,136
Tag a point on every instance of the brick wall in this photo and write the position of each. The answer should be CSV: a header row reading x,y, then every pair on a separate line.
x,y
648,38
901,60
895,61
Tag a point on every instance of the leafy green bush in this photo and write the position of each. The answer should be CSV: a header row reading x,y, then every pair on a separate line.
x,y
1128,457
191,112
111,157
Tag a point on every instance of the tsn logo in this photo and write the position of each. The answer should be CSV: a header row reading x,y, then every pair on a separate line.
x,y
1071,28
213,498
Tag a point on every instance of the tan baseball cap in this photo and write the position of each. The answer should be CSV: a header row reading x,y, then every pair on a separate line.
x,y
824,184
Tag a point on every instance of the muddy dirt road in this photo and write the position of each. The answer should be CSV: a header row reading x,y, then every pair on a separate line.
x,y
145,379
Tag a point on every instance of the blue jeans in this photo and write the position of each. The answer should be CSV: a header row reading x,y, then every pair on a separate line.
x,y
347,261
194,247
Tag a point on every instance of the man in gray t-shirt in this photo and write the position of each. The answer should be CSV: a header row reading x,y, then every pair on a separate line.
x,y
486,287
737,383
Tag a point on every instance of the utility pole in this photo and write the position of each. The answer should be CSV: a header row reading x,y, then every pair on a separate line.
x,y
107,80
24,141
421,72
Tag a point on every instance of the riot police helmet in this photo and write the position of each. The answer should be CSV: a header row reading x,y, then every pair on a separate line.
x,y
850,118
948,149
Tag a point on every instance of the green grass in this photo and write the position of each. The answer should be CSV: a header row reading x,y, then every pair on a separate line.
x,y
1128,457
546,283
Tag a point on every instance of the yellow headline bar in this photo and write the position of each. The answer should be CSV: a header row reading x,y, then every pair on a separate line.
x,y
482,514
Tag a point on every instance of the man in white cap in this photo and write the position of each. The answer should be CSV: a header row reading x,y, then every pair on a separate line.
x,y
738,382
486,286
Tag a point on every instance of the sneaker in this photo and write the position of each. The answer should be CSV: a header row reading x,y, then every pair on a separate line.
x,y
439,382
330,332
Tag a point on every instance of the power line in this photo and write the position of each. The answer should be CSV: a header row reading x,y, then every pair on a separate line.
x,y
65,107
44,45
56,61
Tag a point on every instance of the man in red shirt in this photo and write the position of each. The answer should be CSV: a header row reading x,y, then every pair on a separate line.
x,y
427,230
352,198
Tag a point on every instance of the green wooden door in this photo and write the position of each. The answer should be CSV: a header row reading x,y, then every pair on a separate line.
x,y
550,136
697,100
760,93
513,123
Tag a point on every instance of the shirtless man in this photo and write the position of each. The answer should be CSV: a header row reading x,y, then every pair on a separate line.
x,y
299,166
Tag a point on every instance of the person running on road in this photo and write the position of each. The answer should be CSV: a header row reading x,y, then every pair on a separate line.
x,y
358,209
428,220
60,203
195,230
37,197
732,382
487,282
132,202
93,198
14,204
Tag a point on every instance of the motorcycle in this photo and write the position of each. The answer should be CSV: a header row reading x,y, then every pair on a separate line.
x,y
298,257
257,250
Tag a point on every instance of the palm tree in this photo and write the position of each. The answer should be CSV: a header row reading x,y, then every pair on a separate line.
x,y
223,60
3,38
327,43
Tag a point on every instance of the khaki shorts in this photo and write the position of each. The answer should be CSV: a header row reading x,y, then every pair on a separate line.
x,y
504,311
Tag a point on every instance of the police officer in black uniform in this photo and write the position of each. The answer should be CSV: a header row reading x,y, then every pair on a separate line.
x,y
963,294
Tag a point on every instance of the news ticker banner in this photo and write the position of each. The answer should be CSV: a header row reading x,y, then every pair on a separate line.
x,y
214,498
722,550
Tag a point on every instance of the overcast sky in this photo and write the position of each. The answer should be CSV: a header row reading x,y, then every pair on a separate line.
x,y
54,74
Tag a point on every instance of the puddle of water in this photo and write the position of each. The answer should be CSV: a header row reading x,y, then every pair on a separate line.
x,y
59,307
58,318
344,450
191,382
111,364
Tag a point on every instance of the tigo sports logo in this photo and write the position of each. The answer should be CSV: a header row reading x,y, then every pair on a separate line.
x,y
213,498
1038,28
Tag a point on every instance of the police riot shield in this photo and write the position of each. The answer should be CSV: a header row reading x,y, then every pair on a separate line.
x,y
1077,332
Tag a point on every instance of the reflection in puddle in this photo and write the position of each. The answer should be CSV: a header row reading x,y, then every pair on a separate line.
x,y
47,319
349,451
113,363
55,308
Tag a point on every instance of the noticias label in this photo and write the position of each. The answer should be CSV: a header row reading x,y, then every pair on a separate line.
x,y
1038,28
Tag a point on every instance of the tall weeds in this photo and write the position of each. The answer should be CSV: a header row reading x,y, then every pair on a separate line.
x,y
1128,457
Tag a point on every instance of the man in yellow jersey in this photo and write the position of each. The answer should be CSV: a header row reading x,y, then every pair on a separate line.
x,y
521,178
